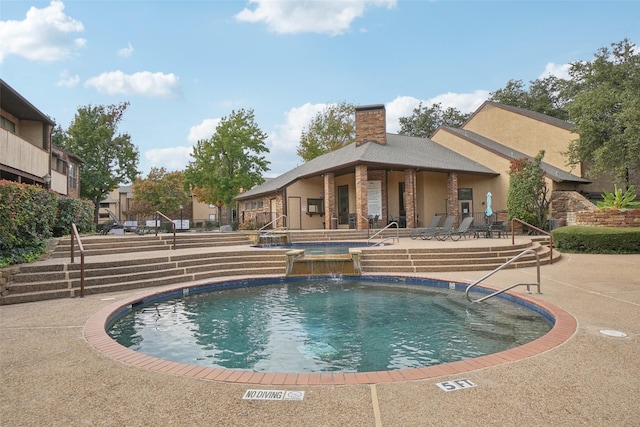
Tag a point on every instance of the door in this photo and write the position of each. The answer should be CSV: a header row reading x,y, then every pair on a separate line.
x,y
343,204
273,212
294,211
466,208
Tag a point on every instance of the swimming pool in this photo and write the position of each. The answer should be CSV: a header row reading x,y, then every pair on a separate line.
x,y
325,325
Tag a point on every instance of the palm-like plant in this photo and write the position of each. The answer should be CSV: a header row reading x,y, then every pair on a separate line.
x,y
618,199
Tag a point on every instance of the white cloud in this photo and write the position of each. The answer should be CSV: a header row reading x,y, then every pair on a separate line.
x,y
44,35
561,71
171,158
125,52
402,106
67,80
286,136
290,17
204,130
142,83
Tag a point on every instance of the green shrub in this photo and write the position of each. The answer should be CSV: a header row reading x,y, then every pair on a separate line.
x,y
618,199
27,216
597,240
77,211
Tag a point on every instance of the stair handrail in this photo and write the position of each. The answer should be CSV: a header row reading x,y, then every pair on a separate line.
x,y
366,221
491,273
75,236
392,223
538,230
275,220
158,213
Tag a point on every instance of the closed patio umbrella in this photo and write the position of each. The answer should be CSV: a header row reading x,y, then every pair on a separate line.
x,y
488,212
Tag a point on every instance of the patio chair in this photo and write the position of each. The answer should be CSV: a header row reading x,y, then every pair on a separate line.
x,y
446,228
499,227
427,234
418,232
456,234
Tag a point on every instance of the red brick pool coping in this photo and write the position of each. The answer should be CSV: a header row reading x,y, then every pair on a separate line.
x,y
95,333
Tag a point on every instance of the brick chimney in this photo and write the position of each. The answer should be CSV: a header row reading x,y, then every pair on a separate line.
x,y
371,124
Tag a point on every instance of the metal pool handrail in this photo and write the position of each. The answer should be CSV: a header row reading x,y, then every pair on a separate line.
x,y
392,223
515,258
76,236
172,223
275,220
539,230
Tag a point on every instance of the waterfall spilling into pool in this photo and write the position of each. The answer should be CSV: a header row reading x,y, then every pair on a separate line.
x,y
300,263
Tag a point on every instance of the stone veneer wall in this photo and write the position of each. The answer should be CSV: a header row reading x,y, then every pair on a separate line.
x,y
607,218
572,208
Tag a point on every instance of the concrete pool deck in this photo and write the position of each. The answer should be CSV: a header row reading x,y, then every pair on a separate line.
x,y
51,375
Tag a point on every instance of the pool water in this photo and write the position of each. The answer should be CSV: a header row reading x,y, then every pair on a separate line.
x,y
324,325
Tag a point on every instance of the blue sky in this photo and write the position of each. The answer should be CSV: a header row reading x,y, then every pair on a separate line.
x,y
185,64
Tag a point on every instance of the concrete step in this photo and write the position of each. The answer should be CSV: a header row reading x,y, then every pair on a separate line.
x,y
33,282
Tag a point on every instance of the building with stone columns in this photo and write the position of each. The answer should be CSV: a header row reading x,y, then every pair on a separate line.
x,y
383,177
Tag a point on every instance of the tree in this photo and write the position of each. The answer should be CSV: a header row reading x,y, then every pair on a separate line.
x,y
228,162
160,191
605,110
424,121
110,159
527,197
332,128
545,96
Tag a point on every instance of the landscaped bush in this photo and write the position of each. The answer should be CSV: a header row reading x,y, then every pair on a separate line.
x,y
27,216
30,215
75,211
597,240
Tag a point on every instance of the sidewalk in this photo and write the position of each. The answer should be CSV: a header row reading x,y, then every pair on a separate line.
x,y
51,376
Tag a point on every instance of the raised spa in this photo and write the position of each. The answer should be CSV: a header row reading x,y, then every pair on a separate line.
x,y
322,324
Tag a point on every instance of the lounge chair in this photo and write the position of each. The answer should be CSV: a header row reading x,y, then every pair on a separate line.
x,y
446,227
418,232
433,231
456,234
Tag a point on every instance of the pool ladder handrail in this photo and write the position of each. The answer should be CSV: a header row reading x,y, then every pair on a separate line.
x,y
514,259
75,237
275,220
394,239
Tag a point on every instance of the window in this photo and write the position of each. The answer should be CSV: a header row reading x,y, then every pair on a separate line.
x,y
465,194
73,175
315,206
7,124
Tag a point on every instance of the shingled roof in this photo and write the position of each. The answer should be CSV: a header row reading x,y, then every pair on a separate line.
x,y
554,173
399,152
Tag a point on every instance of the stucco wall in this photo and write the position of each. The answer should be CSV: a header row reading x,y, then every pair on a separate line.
x,y
523,133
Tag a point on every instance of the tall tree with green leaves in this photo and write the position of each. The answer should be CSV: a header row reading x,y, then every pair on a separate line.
x,y
332,128
110,158
546,96
160,191
231,161
424,120
528,195
605,110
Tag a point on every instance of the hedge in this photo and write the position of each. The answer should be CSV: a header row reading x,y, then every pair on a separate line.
x,y
30,215
597,240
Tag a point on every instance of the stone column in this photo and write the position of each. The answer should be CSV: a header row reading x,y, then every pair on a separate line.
x,y
410,197
362,208
452,195
329,200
